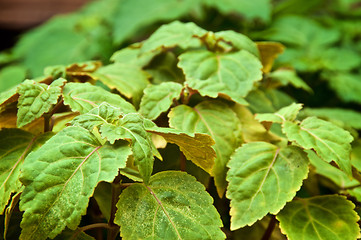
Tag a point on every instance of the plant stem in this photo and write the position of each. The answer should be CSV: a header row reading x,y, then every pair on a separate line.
x,y
48,117
183,162
271,225
89,227
47,122
125,185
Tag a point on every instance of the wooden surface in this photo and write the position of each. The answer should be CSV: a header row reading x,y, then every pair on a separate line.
x,y
22,14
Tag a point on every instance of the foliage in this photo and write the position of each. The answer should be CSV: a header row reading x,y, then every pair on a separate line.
x,y
133,119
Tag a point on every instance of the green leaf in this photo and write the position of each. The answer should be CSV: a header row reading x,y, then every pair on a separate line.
x,y
257,9
131,128
71,38
173,206
172,35
164,69
36,99
102,115
347,117
340,59
270,100
330,142
213,74
302,31
103,196
83,97
128,79
288,76
132,55
196,147
113,125
11,76
346,85
130,19
333,173
238,41
15,145
252,130
159,98
8,96
311,45
288,113
262,179
212,118
321,217
61,176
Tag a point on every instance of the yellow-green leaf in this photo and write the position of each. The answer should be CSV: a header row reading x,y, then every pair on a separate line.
x,y
218,121
36,99
172,206
320,218
262,179
213,74
330,142
195,146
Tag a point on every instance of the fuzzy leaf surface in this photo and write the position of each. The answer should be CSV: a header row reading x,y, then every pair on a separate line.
x,y
321,217
15,145
159,98
262,179
172,35
131,128
213,74
196,147
83,97
104,114
36,99
212,118
172,206
61,176
330,142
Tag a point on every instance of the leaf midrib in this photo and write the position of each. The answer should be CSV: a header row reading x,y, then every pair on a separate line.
x,y
65,184
164,210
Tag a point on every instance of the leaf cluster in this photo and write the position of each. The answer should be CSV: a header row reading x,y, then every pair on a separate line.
x,y
195,132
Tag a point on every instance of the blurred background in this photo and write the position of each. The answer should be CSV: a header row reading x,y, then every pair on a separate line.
x,y
17,16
